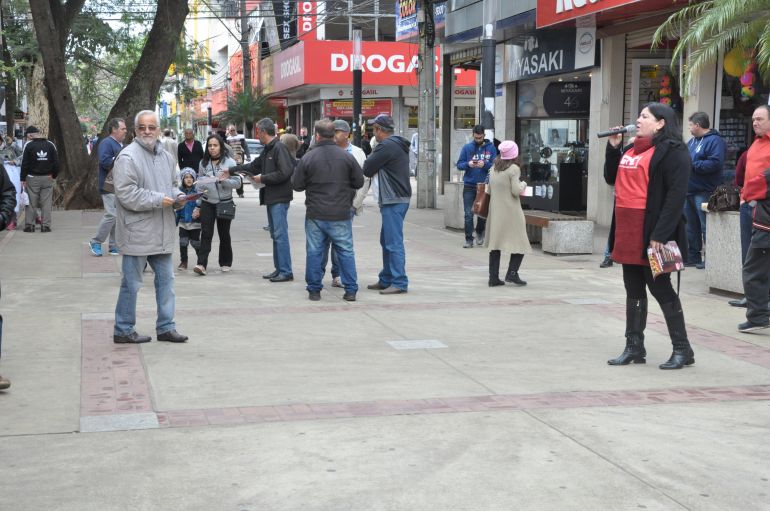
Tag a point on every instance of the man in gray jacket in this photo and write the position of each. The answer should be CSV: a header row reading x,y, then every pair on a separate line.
x,y
146,190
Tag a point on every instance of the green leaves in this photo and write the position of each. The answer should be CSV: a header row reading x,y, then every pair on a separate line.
x,y
246,107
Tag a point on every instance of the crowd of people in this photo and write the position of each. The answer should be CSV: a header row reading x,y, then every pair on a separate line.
x,y
660,182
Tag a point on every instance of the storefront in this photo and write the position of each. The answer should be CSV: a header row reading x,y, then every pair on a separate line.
x,y
552,75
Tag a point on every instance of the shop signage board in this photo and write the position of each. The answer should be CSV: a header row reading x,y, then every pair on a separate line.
x,y
391,91
286,21
545,53
369,107
567,99
551,12
307,15
406,18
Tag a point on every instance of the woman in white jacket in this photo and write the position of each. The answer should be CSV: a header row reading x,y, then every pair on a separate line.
x,y
506,229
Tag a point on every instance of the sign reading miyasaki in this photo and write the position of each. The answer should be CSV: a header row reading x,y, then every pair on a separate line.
x,y
550,12
384,63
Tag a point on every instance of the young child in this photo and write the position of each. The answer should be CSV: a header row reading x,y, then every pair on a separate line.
x,y
189,228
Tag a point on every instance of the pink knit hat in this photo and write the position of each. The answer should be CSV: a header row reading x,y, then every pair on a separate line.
x,y
508,150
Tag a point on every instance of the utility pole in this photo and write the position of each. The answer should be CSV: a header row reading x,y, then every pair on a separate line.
x,y
426,159
488,69
245,48
357,81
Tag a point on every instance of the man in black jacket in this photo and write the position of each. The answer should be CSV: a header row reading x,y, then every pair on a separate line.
x,y
7,205
39,168
189,151
330,177
388,166
273,169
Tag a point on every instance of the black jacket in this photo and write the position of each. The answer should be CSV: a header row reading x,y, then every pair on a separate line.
x,y
7,198
276,166
390,160
187,158
39,159
666,192
330,177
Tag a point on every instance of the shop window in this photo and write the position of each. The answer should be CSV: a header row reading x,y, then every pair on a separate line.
x,y
465,117
412,120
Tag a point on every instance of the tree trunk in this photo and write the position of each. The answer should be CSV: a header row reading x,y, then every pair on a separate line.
x,y
37,99
9,79
72,154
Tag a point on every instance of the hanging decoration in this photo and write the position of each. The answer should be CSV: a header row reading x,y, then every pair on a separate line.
x,y
666,89
736,61
747,80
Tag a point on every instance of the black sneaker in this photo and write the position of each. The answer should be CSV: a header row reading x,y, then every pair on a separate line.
x,y
349,297
748,326
314,296
607,263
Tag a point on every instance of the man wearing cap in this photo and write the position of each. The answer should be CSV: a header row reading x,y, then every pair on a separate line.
x,y
476,158
329,177
388,166
39,167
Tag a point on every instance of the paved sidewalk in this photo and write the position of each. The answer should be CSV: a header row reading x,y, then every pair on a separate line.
x,y
455,396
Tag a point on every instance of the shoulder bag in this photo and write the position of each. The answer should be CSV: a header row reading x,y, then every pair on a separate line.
x,y
725,198
481,202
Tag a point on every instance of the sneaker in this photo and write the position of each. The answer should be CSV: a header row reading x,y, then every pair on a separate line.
x,y
114,251
225,269
748,326
468,244
45,229
349,297
29,228
4,383
607,263
480,239
336,282
199,269
11,226
314,296
182,266
700,266
96,248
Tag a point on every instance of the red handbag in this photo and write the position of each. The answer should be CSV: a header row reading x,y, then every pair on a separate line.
x,y
481,202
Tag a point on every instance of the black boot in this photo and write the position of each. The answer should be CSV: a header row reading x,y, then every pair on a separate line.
x,y
513,270
682,354
494,269
636,322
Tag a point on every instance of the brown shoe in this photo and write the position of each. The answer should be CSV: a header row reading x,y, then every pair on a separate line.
x,y
182,266
377,286
4,383
172,336
132,338
392,290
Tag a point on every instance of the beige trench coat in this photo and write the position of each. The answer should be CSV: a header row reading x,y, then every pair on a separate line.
x,y
506,229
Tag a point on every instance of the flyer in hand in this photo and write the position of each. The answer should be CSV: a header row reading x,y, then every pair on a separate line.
x,y
667,259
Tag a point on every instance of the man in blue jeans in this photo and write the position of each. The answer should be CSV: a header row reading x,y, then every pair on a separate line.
x,y
707,151
329,176
146,189
388,166
273,169
476,158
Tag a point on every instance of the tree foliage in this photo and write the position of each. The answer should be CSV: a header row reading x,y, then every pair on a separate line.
x,y
246,107
706,28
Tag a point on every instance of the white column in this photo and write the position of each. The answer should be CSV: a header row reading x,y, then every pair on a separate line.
x,y
701,97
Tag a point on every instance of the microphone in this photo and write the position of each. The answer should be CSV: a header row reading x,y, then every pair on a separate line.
x,y
630,129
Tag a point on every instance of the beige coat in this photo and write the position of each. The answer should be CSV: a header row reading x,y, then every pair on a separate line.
x,y
506,229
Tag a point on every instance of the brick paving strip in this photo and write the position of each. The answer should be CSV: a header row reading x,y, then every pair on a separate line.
x,y
115,394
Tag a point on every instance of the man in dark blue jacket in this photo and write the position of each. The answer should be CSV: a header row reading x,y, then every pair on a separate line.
x,y
107,149
476,158
388,166
707,151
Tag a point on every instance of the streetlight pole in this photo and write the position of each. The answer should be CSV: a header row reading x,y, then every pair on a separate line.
x,y
357,80
426,141
245,48
488,69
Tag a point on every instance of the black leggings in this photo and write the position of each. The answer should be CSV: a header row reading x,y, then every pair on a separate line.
x,y
208,220
637,278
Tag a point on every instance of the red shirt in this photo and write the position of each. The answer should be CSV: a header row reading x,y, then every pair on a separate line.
x,y
633,178
757,161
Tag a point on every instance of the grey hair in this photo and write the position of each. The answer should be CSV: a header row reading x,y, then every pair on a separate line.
x,y
143,113
114,124
324,128
267,125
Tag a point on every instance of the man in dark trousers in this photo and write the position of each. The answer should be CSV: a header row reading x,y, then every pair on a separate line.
x,y
7,205
330,178
388,166
189,151
39,168
273,169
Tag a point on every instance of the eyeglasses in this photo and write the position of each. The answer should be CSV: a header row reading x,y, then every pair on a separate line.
x,y
142,127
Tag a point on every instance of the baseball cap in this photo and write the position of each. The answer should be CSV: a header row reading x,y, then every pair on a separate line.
x,y
31,129
341,125
383,120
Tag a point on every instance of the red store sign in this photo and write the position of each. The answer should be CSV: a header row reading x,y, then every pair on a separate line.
x,y
550,12
369,107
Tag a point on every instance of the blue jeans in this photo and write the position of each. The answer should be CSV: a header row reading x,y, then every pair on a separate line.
x,y
320,234
277,221
746,221
469,195
107,225
392,241
125,310
335,259
696,225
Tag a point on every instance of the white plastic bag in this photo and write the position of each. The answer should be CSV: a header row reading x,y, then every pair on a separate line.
x,y
23,199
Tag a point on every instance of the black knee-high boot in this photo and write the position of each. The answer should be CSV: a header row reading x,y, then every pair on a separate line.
x,y
513,270
636,322
494,269
682,354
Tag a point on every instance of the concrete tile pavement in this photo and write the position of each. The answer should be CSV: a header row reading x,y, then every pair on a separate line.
x,y
281,403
